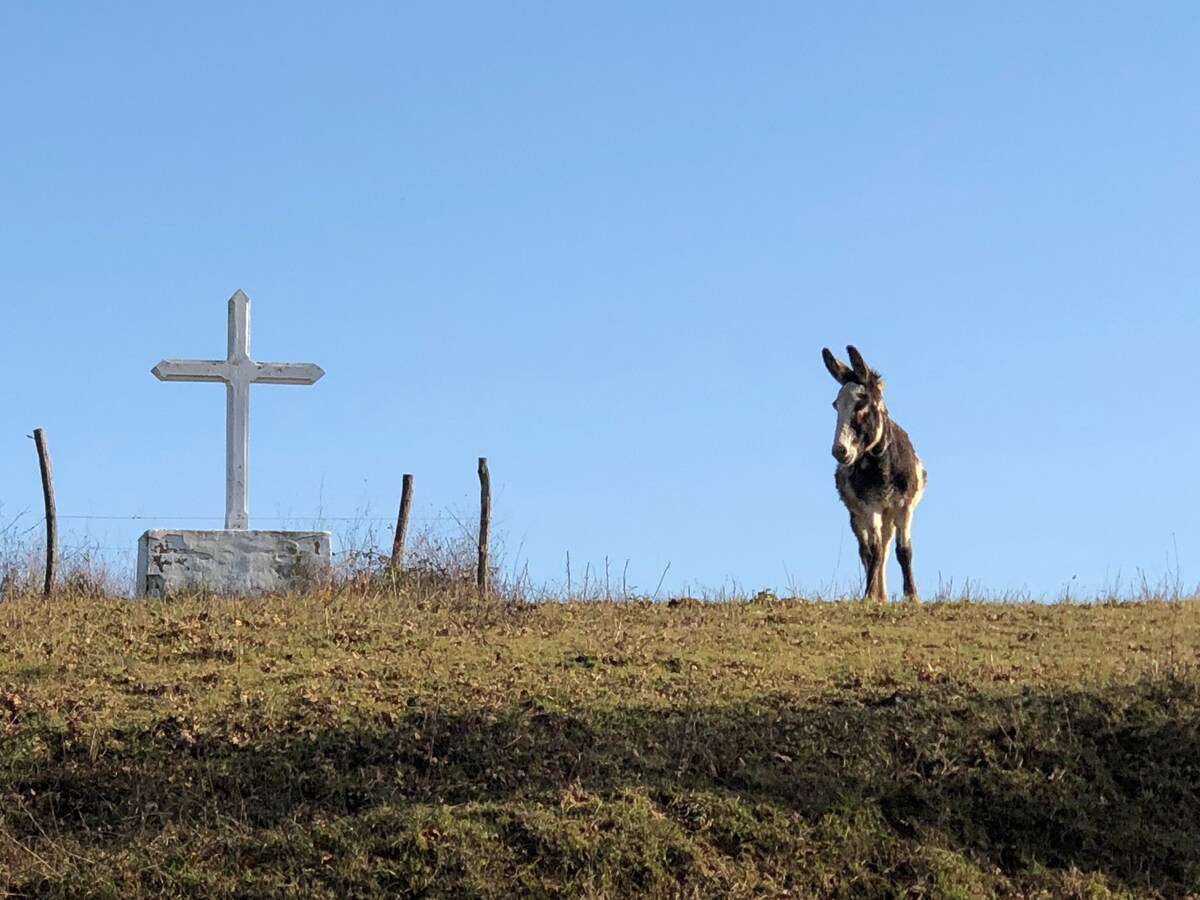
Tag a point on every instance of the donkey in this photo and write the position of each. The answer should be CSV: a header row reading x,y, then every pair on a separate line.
x,y
879,477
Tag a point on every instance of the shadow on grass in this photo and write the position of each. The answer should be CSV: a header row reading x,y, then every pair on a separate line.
x,y
1104,780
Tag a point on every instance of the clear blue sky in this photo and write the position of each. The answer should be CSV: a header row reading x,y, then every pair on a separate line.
x,y
603,245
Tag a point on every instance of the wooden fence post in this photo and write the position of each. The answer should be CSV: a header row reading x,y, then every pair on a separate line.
x,y
397,560
485,521
39,438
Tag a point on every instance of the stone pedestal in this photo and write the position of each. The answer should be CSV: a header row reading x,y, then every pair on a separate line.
x,y
234,562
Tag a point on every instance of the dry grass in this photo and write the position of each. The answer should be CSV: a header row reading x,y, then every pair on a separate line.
x,y
369,741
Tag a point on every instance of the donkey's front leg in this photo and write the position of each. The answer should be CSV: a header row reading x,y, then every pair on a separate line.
x,y
873,553
886,529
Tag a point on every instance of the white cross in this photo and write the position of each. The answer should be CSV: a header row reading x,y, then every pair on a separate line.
x,y
238,371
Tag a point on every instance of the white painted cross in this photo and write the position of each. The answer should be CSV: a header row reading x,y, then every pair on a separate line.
x,y
238,371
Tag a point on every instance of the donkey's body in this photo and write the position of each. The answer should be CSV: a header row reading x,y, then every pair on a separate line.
x,y
879,477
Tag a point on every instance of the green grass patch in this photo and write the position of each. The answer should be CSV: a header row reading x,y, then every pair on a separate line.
x,y
360,743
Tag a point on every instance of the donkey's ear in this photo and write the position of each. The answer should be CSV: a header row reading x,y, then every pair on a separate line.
x,y
861,370
863,374
838,369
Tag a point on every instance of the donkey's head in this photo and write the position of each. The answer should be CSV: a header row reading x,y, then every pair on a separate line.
x,y
862,415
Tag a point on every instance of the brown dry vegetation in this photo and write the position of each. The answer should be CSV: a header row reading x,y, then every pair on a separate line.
x,y
368,741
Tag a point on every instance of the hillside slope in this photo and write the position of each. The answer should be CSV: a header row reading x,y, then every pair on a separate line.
x,y
363,743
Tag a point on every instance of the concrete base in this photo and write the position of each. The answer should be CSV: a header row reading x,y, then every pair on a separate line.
x,y
231,562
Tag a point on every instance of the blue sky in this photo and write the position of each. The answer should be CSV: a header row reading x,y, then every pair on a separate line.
x,y
603,244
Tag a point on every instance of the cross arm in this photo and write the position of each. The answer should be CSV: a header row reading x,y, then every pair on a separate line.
x,y
286,373
191,370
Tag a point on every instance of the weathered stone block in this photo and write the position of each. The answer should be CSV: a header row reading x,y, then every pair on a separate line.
x,y
233,562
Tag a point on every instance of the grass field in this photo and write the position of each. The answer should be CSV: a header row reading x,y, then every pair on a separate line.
x,y
364,742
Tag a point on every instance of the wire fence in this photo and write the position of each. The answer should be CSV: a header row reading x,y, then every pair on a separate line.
x,y
356,539
318,518
361,544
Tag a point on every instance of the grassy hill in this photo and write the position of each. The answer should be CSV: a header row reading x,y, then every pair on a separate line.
x,y
363,742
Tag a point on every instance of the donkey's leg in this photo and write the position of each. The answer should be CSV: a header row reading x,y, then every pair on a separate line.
x,y
904,551
868,548
887,529
868,528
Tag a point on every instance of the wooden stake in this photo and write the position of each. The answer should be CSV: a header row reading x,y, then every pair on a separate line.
x,y
406,490
39,438
485,521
